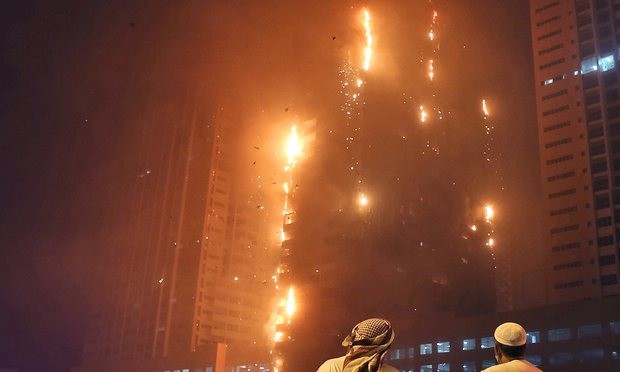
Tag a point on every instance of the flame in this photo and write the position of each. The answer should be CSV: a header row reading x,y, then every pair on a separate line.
x,y
290,303
294,148
485,108
368,48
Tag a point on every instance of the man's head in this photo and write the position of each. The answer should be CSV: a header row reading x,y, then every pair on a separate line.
x,y
367,344
510,341
374,331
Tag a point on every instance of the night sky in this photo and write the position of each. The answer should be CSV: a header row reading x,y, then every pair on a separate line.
x,y
76,75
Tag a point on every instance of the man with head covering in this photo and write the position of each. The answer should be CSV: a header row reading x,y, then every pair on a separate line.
x,y
366,346
510,340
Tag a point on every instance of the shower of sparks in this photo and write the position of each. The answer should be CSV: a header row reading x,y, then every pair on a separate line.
x,y
369,39
431,33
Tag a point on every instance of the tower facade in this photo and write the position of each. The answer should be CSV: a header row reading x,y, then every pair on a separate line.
x,y
575,49
185,266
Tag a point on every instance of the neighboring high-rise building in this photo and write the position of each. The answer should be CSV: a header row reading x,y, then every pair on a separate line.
x,y
576,56
183,269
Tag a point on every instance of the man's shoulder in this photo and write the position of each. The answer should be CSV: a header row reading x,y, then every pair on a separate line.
x,y
332,365
389,368
514,365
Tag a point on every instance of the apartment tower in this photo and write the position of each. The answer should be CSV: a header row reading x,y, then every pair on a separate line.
x,y
575,48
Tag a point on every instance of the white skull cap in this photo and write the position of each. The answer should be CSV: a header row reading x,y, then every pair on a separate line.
x,y
510,334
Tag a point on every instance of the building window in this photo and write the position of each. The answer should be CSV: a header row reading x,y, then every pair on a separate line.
x,y
603,221
605,240
589,331
614,327
487,342
533,337
426,349
588,65
560,334
565,247
443,347
606,63
426,368
565,285
560,358
410,352
534,359
602,202
610,279
469,366
443,367
488,363
609,259
590,356
469,344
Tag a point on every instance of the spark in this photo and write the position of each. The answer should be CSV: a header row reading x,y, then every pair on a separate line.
x,y
490,242
473,227
368,48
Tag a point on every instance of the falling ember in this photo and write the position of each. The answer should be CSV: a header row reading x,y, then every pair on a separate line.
x,y
473,227
423,114
431,70
485,108
368,48
359,83
490,242
363,200
290,303
488,213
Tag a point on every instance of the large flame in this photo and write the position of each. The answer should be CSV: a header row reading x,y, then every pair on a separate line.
x,y
290,304
294,148
368,48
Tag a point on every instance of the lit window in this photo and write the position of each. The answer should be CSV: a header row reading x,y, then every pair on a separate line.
x,y
469,366
426,368
560,334
606,63
588,65
487,343
533,337
589,331
469,344
443,347
576,72
426,349
548,81
443,367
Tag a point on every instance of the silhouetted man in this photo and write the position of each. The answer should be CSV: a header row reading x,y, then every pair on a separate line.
x,y
510,341
366,346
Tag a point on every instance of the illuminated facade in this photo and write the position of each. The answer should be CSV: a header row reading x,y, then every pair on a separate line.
x,y
576,56
187,265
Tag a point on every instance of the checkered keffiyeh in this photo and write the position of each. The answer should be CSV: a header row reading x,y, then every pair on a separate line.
x,y
367,342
